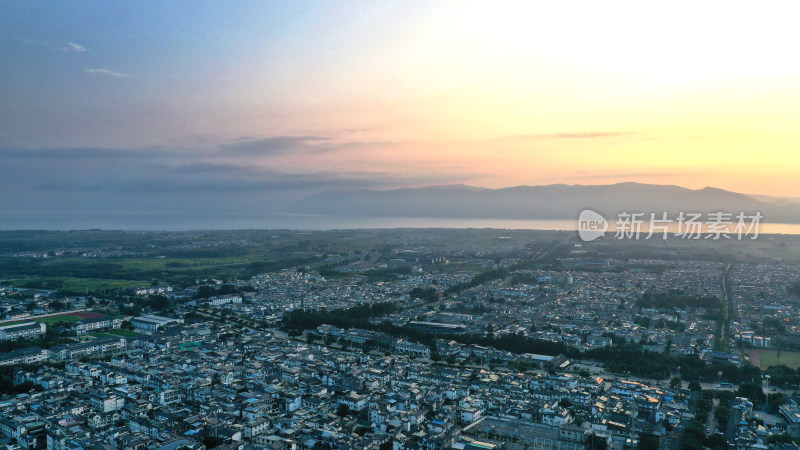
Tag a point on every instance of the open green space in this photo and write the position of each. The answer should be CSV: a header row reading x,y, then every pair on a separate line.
x,y
74,284
52,320
174,264
769,358
124,333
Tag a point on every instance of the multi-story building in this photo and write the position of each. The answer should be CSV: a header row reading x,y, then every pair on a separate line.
x,y
105,402
29,355
100,346
86,326
27,330
224,300
413,348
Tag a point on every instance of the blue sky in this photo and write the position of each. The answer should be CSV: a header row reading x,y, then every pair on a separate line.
x,y
121,75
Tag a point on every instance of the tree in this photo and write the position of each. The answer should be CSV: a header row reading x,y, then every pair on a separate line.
x,y
693,437
343,410
159,302
425,294
716,442
675,383
752,392
596,442
648,441
782,438
775,401
205,291
694,386
722,414
213,441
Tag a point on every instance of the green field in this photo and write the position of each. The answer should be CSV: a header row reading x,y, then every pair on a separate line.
x,y
111,333
77,285
58,319
769,358
78,275
171,264
124,333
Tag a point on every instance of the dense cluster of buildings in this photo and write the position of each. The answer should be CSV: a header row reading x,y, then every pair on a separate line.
x,y
181,388
205,373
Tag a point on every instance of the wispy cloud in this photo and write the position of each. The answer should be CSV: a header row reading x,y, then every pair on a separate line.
x,y
101,71
66,47
582,174
281,145
73,47
567,135
32,41
275,145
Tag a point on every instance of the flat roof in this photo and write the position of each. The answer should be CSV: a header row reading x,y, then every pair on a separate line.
x,y
21,326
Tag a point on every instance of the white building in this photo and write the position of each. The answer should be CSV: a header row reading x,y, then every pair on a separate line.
x,y
470,415
150,323
354,402
225,299
106,403
86,326
413,348
153,290
29,355
755,341
27,330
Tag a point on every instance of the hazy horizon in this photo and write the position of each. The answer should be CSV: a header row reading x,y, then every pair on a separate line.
x,y
433,207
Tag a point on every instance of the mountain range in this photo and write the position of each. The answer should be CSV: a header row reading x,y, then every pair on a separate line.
x,y
554,202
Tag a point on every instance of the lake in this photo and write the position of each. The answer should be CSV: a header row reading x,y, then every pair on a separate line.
x,y
206,220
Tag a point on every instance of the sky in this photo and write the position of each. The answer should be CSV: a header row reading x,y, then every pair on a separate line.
x,y
110,106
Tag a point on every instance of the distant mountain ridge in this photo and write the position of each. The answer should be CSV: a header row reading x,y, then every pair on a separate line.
x,y
555,202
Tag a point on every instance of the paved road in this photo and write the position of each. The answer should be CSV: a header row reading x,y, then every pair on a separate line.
x,y
711,425
722,340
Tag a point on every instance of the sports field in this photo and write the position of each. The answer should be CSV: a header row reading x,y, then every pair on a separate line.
x,y
763,359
